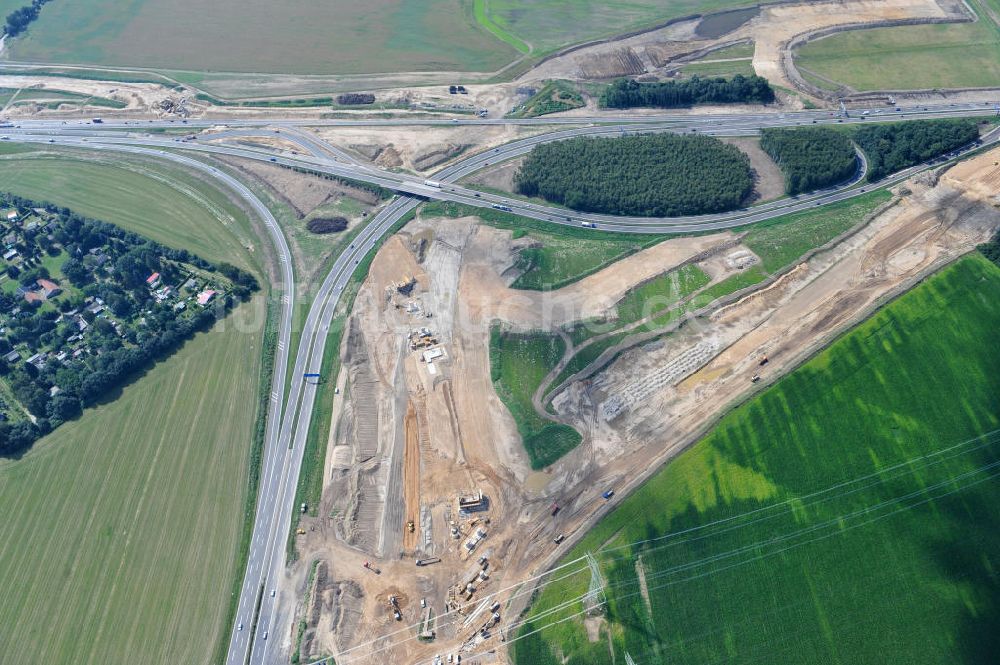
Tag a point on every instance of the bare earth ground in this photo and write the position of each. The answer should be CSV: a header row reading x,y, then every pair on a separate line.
x,y
466,439
420,149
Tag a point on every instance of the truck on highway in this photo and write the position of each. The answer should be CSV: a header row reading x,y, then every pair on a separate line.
x,y
97,121
497,206
588,225
433,183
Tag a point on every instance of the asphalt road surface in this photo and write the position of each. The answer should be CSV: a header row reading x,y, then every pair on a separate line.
x,y
289,419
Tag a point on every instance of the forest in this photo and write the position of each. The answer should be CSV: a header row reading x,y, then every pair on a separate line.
x,y
85,304
653,175
627,93
811,157
897,146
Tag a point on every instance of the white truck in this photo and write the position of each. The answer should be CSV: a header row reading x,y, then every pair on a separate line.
x,y
432,183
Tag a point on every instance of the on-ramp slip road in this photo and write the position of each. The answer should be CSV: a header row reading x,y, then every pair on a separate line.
x,y
262,626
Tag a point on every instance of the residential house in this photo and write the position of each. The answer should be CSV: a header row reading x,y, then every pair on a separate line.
x,y
153,280
205,297
49,288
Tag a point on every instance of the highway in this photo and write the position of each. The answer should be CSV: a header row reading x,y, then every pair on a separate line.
x,y
289,418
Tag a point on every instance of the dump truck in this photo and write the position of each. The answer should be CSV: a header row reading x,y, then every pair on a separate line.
x,y
410,526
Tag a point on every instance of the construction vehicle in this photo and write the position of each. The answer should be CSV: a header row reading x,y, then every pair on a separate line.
x,y
429,561
607,495
300,531
303,508
558,539
410,526
369,566
394,604
755,379
763,361
553,509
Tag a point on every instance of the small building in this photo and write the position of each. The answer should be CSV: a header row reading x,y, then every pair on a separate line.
x,y
49,288
205,297
433,354
10,215
471,502
12,357
10,254
153,280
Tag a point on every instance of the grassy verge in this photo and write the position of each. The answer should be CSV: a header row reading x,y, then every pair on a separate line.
x,y
561,255
518,363
555,96
481,12
902,560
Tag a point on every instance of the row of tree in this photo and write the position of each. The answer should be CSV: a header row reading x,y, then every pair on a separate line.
x,y
19,19
897,146
659,175
626,93
810,157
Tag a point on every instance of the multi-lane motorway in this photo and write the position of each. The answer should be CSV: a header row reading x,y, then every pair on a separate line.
x,y
261,628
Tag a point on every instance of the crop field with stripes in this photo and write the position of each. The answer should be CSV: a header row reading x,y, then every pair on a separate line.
x,y
119,532
849,514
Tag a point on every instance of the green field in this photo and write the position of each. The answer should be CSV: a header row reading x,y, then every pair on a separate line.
x,y
847,513
121,530
518,363
308,37
334,37
544,26
909,57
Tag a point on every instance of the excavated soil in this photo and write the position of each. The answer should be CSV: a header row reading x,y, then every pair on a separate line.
x,y
465,440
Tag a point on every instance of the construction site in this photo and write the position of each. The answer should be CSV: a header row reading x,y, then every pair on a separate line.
x,y
431,515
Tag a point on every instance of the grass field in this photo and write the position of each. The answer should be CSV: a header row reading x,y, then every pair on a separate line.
x,y
909,57
335,37
547,25
518,363
757,551
121,530
308,37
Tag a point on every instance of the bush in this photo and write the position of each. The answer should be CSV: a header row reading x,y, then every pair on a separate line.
x,y
650,174
625,93
811,158
322,225
353,98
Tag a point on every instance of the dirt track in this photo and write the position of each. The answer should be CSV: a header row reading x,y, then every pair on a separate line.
x,y
470,441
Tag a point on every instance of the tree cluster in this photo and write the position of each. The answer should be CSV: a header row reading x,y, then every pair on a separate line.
x,y
991,249
660,175
144,329
810,157
322,225
897,146
19,19
626,93
353,98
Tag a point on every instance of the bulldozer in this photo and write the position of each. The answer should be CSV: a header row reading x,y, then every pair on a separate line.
x,y
410,526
